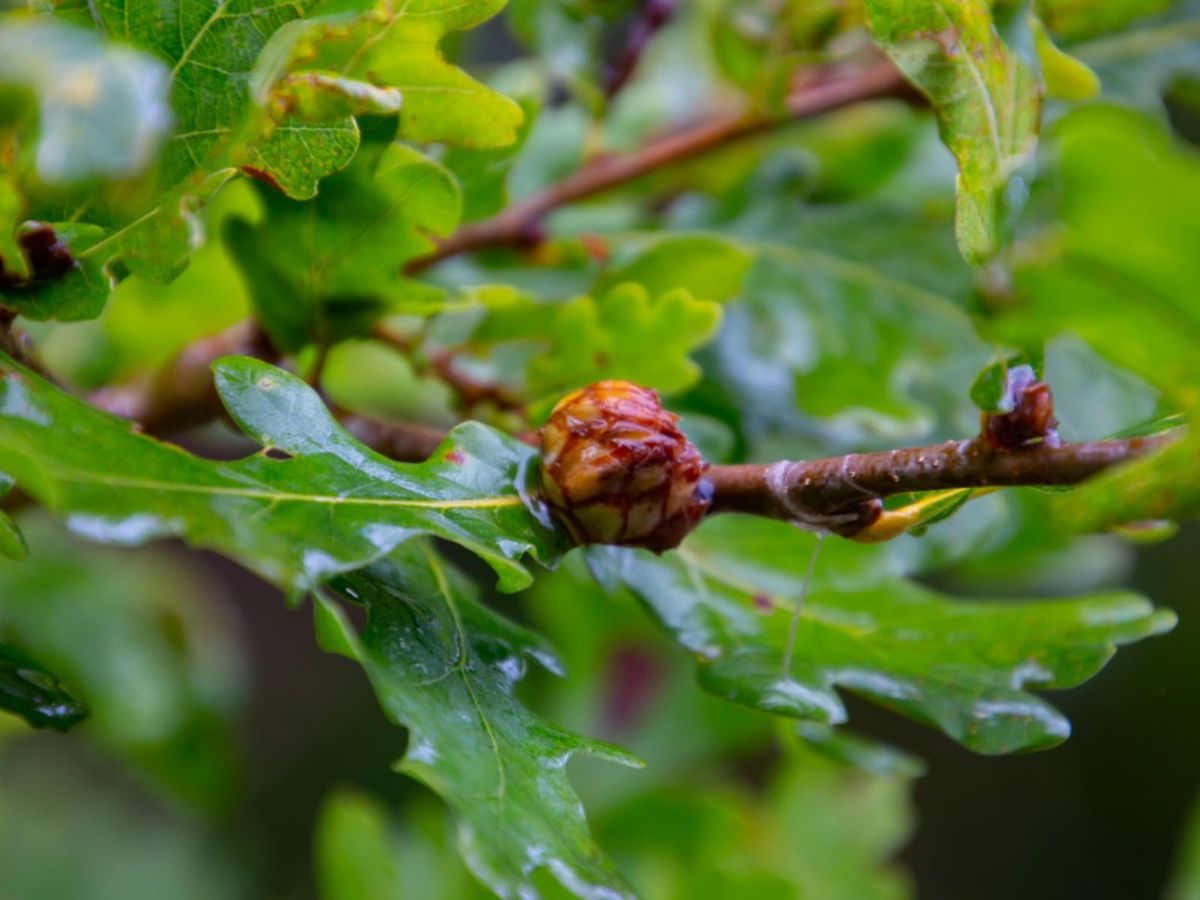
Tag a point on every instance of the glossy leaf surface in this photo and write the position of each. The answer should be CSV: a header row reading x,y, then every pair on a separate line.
x,y
331,505
969,59
34,693
445,666
966,668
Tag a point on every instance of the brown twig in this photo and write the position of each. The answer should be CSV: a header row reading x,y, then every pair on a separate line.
x,y
182,394
823,487
828,90
16,343
402,441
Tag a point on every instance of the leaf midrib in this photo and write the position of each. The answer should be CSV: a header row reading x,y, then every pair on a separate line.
x,y
151,484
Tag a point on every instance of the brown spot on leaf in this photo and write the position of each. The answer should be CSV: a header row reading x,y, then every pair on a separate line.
x,y
47,255
456,457
262,175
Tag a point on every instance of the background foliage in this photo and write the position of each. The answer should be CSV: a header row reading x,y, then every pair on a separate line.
x,y
824,284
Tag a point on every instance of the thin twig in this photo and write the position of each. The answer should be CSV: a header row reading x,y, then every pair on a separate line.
x,y
829,90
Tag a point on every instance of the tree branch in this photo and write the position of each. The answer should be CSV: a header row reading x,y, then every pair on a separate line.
x,y
824,491
182,394
829,89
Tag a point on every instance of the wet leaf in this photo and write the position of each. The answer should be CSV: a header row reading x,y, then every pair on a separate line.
x,y
34,693
445,666
972,60
331,505
874,357
965,668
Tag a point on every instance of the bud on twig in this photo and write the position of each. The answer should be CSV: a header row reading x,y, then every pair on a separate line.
x,y
617,470
1031,418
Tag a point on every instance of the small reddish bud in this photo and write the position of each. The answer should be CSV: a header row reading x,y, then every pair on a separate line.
x,y
1031,420
616,469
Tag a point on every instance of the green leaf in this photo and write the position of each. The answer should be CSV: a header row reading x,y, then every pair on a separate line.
x,y
971,60
818,828
353,856
482,173
143,642
964,668
330,506
12,209
1077,19
866,348
989,391
626,333
710,267
1066,77
28,689
396,46
79,292
1164,485
12,542
1128,292
212,50
445,666
325,269
102,108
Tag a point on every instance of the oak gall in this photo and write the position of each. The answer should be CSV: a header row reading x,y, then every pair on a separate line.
x,y
616,469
